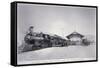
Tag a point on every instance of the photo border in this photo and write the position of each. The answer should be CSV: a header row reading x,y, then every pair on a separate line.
x,y
14,32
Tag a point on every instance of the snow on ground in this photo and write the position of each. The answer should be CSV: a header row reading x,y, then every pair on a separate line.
x,y
70,52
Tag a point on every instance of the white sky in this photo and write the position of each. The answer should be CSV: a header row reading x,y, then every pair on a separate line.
x,y
60,20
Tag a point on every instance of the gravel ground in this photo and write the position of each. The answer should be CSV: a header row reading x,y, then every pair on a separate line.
x,y
70,52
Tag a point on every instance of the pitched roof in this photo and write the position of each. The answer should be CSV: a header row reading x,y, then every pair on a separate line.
x,y
74,34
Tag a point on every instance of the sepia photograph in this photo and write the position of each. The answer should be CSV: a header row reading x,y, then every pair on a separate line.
x,y
54,33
